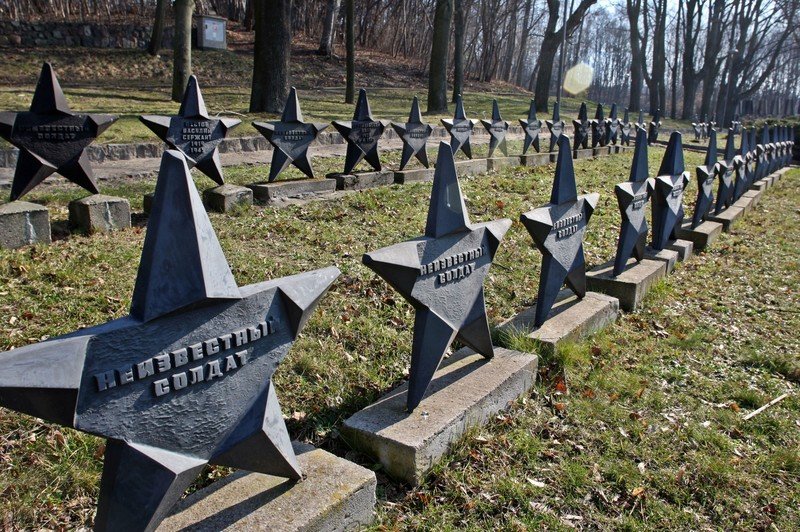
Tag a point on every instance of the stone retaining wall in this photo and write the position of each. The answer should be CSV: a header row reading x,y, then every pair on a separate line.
x,y
91,34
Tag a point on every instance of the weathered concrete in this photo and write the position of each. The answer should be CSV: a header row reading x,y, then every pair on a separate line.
x,y
745,203
727,218
701,236
496,163
685,248
334,495
583,154
362,180
99,213
472,167
754,195
666,255
759,186
601,151
23,223
570,318
631,286
226,198
300,188
467,390
534,159
413,176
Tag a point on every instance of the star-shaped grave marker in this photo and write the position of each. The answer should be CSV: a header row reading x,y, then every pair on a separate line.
x,y
612,126
415,134
441,274
51,138
762,166
667,197
641,123
625,130
362,135
460,128
290,138
185,379
699,130
599,127
532,127
556,127
497,129
557,230
747,152
740,164
581,128
655,125
193,132
632,198
726,175
706,174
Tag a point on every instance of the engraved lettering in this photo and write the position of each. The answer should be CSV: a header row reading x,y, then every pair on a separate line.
x,y
214,370
105,381
161,387
196,351
179,357
179,381
211,346
145,369
162,363
125,376
230,363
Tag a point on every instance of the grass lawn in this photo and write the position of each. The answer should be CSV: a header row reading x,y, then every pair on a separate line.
x,y
638,427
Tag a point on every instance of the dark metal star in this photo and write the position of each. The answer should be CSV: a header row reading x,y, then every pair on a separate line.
x,y
290,138
556,127
625,129
632,198
706,174
599,127
612,126
193,132
655,125
641,123
497,129
185,379
362,135
532,127
415,134
557,230
740,164
460,128
748,153
762,165
726,175
441,274
667,197
51,138
581,128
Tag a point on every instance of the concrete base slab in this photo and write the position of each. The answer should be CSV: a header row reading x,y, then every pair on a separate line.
x,y
631,286
684,248
300,188
23,223
759,186
667,256
745,203
614,149
226,198
767,182
466,391
601,151
416,175
701,236
472,167
147,202
570,319
754,195
362,180
583,154
334,495
494,164
534,159
727,218
99,214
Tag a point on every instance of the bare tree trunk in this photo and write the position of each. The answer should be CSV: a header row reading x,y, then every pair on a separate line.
x,y
326,41
458,48
711,63
637,57
350,46
437,74
182,45
158,28
272,50
523,45
249,15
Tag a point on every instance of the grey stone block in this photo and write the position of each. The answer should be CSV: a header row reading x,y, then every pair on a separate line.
x,y
745,203
472,167
300,188
754,195
600,151
465,392
413,176
99,213
727,218
583,154
701,236
570,318
226,198
336,495
362,180
684,248
22,224
496,163
534,159
631,286
666,255
759,186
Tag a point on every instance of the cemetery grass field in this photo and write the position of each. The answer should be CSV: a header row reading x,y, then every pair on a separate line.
x,y
639,427
101,82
